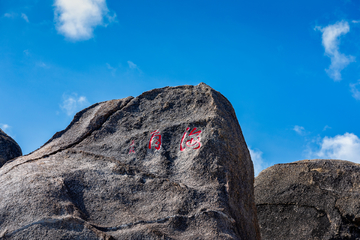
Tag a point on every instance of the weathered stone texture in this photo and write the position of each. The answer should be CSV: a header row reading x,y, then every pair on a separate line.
x,y
98,179
9,149
309,199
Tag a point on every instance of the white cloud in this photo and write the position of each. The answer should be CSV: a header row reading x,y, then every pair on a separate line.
x,y
9,15
133,66
258,161
76,19
4,127
42,64
7,129
344,147
72,103
299,130
23,15
111,18
354,90
330,41
355,21
15,15
112,69
326,127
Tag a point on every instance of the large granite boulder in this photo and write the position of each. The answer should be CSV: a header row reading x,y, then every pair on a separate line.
x,y
310,199
169,164
9,149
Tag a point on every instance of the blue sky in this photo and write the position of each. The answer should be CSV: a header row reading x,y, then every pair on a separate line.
x,y
290,68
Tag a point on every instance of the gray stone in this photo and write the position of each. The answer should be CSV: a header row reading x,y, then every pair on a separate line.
x,y
102,177
9,149
309,199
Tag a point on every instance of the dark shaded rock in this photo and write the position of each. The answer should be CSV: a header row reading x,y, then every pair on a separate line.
x,y
310,199
102,177
9,149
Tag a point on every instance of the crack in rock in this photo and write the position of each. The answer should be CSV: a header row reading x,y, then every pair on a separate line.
x,y
5,233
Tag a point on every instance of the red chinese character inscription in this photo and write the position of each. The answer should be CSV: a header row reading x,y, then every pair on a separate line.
x,y
155,139
132,148
194,142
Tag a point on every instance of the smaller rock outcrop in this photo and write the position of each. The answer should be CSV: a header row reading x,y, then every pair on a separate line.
x,y
9,149
309,199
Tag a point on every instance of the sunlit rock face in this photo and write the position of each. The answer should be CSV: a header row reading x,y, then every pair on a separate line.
x,y
310,199
9,149
169,164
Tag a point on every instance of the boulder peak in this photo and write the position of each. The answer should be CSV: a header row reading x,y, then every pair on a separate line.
x,y
169,164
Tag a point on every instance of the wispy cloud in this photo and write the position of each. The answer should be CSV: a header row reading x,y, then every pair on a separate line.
x,y
23,15
15,15
326,127
344,147
354,90
258,161
42,64
299,130
10,15
112,69
72,103
7,129
330,41
4,127
133,66
76,19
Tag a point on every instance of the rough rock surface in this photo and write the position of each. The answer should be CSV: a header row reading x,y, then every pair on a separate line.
x,y
9,149
169,164
309,199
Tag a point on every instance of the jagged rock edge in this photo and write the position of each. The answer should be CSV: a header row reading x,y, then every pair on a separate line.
x,y
79,114
76,142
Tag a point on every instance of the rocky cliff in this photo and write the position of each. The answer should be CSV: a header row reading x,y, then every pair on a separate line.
x,y
310,199
169,164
